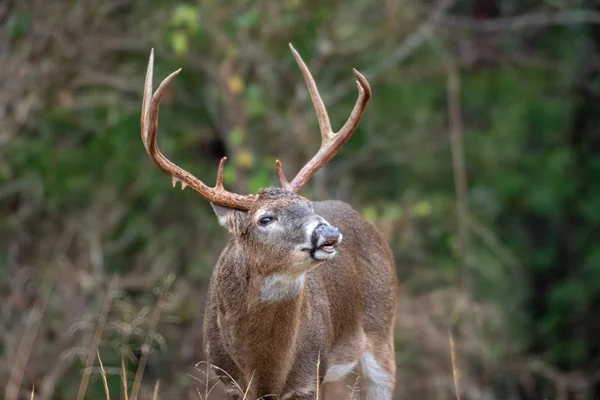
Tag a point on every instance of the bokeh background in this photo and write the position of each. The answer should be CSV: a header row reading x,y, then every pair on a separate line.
x,y
478,157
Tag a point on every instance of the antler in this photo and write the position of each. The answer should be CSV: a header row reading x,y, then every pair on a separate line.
x,y
149,122
331,142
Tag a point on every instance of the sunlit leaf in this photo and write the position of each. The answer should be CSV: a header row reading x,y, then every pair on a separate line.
x,y
245,159
370,214
292,4
422,209
179,43
186,16
235,84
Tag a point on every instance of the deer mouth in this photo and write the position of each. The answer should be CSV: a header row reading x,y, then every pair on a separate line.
x,y
324,250
324,239
328,245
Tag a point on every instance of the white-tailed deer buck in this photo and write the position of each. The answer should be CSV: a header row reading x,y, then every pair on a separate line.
x,y
287,293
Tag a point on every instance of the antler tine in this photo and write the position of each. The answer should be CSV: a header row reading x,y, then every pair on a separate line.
x,y
320,110
149,126
331,142
282,179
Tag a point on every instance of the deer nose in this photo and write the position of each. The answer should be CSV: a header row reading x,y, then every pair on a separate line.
x,y
325,235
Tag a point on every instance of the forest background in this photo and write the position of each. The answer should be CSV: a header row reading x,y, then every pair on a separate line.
x,y
478,157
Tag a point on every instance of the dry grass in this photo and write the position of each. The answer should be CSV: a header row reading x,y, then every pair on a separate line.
x,y
155,394
31,330
96,340
431,364
104,381
150,335
424,333
94,352
423,325
354,389
454,368
124,380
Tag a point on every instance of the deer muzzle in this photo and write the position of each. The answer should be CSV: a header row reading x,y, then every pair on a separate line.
x,y
324,238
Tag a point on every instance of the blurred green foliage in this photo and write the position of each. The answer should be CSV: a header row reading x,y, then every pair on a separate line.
x,y
529,105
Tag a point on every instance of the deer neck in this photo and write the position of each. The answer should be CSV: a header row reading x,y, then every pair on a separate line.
x,y
260,315
281,287
245,290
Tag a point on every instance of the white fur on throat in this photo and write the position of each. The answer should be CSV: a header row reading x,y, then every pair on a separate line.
x,y
279,287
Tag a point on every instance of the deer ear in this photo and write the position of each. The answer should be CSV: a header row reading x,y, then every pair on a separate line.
x,y
232,219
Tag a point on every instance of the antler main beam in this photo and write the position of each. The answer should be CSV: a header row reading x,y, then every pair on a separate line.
x,y
331,142
149,124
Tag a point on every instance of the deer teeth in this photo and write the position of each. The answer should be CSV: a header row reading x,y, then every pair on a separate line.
x,y
183,185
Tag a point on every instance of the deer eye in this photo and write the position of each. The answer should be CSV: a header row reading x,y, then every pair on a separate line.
x,y
266,220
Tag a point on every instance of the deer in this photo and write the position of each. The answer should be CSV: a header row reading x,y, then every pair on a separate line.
x,y
304,293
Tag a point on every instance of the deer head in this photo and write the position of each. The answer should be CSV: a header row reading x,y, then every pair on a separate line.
x,y
279,225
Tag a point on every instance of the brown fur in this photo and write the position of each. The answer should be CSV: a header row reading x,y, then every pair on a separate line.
x,y
345,308
275,306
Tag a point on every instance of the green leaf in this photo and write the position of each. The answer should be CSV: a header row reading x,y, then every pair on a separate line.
x,y
422,209
186,16
179,43
370,214
18,25
236,136
259,180
248,19
229,175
